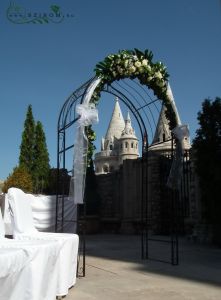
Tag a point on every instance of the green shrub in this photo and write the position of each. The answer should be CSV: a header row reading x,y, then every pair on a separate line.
x,y
20,178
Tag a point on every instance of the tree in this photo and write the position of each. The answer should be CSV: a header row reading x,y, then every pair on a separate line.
x,y
61,187
207,149
33,152
28,141
41,167
20,178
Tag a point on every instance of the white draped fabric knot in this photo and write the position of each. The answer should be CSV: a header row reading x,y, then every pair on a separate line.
x,y
180,132
88,115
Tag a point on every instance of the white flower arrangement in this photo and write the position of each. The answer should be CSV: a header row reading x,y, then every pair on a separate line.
x,y
135,64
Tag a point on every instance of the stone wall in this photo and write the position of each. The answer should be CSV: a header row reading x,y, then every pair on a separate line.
x,y
121,198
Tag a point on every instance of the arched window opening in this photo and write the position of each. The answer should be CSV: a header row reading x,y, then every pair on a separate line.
x,y
105,169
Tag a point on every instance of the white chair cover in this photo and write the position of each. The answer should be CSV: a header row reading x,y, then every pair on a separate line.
x,y
2,227
44,212
13,274
6,216
30,269
23,229
41,268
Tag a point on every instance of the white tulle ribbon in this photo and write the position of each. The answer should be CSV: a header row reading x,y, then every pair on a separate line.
x,y
172,102
88,115
181,132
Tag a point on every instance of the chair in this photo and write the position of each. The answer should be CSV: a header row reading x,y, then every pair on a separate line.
x,y
12,274
24,229
28,269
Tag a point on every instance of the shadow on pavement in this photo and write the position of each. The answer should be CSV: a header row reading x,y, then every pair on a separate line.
x,y
201,263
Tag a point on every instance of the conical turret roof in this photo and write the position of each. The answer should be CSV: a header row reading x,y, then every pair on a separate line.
x,y
162,132
117,124
128,129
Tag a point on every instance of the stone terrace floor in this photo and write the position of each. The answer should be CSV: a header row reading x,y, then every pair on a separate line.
x,y
114,271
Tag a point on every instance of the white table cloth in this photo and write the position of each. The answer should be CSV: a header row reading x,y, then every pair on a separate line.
x,y
44,213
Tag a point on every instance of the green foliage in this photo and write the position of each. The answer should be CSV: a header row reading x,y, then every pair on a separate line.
x,y
53,185
33,152
41,167
20,178
91,135
28,141
136,64
207,148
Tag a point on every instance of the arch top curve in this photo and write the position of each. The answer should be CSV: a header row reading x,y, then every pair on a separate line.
x,y
129,64
137,64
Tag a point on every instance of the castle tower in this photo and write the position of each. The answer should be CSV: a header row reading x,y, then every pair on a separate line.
x,y
116,124
162,137
120,143
128,142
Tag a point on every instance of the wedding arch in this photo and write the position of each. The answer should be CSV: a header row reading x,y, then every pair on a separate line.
x,y
79,112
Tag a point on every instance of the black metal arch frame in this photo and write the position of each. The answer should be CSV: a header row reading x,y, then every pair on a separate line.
x,y
140,108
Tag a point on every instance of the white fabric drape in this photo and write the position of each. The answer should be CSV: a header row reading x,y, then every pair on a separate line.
x,y
24,229
44,211
38,280
29,269
13,274
180,132
88,115
172,102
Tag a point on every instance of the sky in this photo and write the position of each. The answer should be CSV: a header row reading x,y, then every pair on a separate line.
x,y
42,64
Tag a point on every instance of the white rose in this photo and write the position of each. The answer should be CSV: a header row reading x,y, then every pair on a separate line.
x,y
126,63
120,70
130,63
160,84
158,75
148,67
137,64
144,62
132,69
